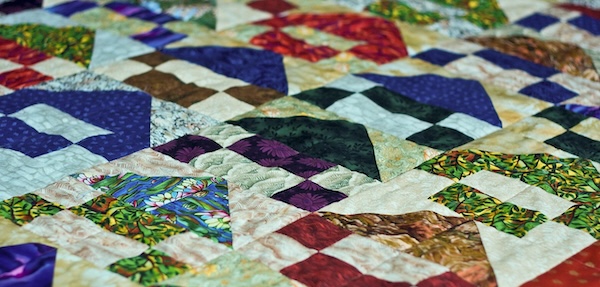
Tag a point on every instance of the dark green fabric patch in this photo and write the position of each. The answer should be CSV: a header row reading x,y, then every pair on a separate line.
x,y
559,115
439,137
341,142
576,144
323,97
399,104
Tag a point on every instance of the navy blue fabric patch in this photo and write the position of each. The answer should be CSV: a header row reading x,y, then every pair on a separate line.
x,y
132,10
537,21
587,23
459,95
511,62
70,8
126,114
259,67
17,135
438,57
548,91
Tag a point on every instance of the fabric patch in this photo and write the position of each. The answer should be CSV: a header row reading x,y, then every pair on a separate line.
x,y
340,142
473,204
253,95
439,137
577,144
22,78
323,97
548,91
321,269
561,116
550,173
383,41
16,53
537,21
24,209
200,204
149,268
123,219
587,23
453,93
30,264
281,43
70,43
258,67
272,6
187,147
71,7
565,57
438,57
314,232
309,196
508,62
158,37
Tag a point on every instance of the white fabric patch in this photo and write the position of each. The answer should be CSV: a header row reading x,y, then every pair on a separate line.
x,y
123,69
221,106
517,260
361,109
110,47
20,174
352,83
468,125
47,119
6,65
57,67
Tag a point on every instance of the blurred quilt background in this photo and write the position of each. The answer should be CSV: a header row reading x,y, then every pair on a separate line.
x,y
300,143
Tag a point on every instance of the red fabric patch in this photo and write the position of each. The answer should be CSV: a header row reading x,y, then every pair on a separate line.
x,y
447,279
582,269
272,6
582,9
383,39
14,52
321,270
314,232
282,43
368,280
21,78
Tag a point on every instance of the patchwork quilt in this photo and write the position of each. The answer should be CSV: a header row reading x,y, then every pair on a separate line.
x,y
300,143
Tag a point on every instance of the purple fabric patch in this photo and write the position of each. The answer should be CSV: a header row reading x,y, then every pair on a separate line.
x,y
126,114
159,18
459,95
548,91
309,196
19,5
70,8
17,135
158,37
187,147
584,110
587,23
438,57
266,152
306,166
125,8
30,264
512,62
537,21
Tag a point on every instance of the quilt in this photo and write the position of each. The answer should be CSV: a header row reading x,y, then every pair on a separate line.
x,y
300,143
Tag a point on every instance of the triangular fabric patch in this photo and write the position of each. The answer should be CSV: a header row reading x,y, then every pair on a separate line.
x,y
30,264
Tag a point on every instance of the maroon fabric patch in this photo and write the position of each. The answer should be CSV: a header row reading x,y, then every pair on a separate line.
x,y
447,279
272,6
14,52
21,78
314,232
368,280
322,270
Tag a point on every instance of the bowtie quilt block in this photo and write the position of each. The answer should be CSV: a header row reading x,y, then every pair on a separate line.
x,y
299,143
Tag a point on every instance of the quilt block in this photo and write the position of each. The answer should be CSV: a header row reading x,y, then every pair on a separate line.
x,y
299,143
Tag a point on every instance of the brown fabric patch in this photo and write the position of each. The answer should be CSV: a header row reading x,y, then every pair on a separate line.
x,y
191,94
254,95
155,83
564,57
153,59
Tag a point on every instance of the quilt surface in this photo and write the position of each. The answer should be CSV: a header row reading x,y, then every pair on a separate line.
x,y
300,143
